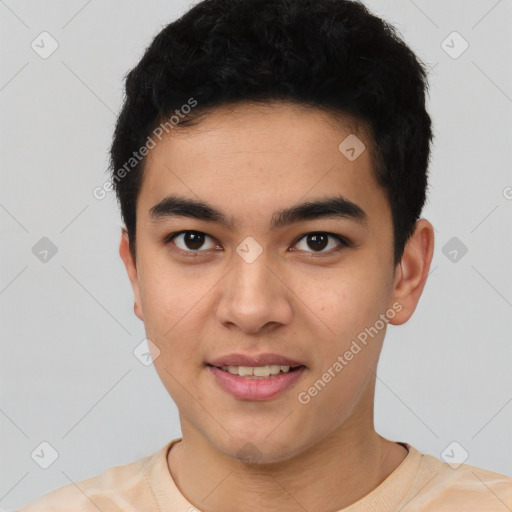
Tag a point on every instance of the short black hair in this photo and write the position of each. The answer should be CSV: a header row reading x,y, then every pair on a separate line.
x,y
331,54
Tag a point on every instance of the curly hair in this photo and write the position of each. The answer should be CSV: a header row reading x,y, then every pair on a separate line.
x,y
330,54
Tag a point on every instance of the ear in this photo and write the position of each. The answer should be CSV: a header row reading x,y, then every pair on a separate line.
x,y
131,269
412,272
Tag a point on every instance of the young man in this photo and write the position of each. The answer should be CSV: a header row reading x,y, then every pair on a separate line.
x,y
271,164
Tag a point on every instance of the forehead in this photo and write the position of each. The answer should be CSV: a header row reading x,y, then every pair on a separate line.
x,y
261,158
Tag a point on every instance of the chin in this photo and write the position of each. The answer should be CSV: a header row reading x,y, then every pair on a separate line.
x,y
260,449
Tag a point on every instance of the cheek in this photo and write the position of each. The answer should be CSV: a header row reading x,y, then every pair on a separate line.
x,y
347,299
350,306
169,303
168,293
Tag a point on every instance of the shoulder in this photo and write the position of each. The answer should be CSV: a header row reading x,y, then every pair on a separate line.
x,y
109,490
446,487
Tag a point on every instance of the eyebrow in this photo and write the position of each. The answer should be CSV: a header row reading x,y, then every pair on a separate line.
x,y
329,207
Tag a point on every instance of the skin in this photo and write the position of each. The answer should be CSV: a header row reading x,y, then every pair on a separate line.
x,y
250,161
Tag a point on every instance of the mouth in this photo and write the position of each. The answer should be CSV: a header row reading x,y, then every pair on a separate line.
x,y
256,383
258,372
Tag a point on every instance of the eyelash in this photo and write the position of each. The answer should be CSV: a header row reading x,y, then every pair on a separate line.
x,y
344,242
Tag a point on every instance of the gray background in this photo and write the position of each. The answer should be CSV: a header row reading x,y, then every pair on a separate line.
x,y
68,373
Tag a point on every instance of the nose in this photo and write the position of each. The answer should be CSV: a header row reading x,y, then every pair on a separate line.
x,y
254,297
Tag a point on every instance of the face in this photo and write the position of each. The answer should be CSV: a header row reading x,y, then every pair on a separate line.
x,y
247,280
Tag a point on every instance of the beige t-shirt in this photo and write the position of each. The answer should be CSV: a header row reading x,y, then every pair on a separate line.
x,y
420,483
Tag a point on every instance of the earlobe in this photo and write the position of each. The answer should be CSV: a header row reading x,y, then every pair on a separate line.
x,y
412,274
131,269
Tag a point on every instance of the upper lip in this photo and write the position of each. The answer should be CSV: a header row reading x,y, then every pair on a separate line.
x,y
265,359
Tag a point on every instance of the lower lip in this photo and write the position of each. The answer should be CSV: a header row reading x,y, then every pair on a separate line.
x,y
255,389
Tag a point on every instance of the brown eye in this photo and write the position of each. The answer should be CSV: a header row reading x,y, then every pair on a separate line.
x,y
189,241
318,241
193,240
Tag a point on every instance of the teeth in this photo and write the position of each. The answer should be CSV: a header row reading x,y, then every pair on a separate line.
x,y
245,371
256,371
274,369
261,371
